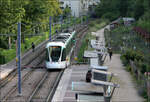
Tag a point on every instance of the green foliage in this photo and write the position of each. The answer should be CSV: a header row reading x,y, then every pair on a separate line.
x,y
7,55
113,9
128,68
29,13
82,49
97,24
11,12
139,9
66,11
110,15
130,45
3,43
144,21
132,55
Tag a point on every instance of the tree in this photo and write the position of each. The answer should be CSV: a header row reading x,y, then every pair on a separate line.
x,y
66,11
123,7
139,9
11,12
26,11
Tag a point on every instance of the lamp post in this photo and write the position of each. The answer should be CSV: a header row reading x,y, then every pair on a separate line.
x,y
19,57
50,28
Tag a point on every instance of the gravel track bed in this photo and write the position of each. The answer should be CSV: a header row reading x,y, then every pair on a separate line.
x,y
27,86
12,84
46,87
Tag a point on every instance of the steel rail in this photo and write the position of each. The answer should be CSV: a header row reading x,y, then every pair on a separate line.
x,y
13,89
52,91
38,86
3,82
12,75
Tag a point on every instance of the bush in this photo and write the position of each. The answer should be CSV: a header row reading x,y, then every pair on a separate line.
x,y
2,57
128,68
3,43
133,55
110,16
7,55
124,60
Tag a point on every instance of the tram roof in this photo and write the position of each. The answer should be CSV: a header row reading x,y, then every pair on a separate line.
x,y
55,44
60,40
62,37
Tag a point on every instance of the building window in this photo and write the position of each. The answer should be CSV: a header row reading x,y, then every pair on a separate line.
x,y
62,2
62,7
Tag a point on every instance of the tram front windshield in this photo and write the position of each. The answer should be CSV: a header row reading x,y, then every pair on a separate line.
x,y
55,52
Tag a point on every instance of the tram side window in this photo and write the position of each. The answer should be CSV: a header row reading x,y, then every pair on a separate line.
x,y
47,55
64,55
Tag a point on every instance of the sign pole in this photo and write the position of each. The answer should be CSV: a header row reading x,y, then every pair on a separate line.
x,y
50,28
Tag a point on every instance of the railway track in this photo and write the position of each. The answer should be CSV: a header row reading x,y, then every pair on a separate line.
x,y
36,86
9,85
46,87
80,36
12,75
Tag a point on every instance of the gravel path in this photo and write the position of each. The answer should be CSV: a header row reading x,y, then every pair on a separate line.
x,y
127,91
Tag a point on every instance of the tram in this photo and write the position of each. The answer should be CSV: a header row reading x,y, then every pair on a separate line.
x,y
59,50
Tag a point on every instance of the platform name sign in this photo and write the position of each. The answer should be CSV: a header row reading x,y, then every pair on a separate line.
x,y
99,76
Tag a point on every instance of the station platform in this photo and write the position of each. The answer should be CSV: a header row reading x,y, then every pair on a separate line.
x,y
64,91
5,70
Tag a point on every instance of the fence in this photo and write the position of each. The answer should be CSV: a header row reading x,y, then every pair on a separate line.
x,y
145,81
145,34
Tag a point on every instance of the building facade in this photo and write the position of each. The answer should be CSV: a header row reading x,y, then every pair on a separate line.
x,y
78,7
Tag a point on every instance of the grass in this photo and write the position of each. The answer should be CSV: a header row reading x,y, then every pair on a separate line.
x,y
9,54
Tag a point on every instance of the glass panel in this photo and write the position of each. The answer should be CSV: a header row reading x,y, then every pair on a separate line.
x,y
63,55
47,55
55,52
